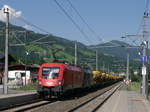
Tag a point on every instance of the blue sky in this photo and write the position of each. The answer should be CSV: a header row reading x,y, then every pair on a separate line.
x,y
110,19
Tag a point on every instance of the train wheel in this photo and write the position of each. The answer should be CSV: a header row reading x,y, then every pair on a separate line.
x,y
50,94
58,95
41,94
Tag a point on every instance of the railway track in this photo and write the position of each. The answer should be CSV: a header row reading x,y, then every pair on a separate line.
x,y
93,104
30,105
83,102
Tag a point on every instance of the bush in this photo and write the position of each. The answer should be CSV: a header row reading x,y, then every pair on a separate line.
x,y
27,87
135,78
134,86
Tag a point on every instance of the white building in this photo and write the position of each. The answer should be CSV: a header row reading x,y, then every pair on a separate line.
x,y
18,77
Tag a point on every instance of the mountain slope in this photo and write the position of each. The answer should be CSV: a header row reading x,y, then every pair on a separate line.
x,y
118,49
59,49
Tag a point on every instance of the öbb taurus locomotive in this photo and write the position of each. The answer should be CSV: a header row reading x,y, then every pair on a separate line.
x,y
55,79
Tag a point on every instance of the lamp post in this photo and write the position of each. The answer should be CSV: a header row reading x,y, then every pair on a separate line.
x,y
145,58
27,53
76,57
127,70
5,86
96,60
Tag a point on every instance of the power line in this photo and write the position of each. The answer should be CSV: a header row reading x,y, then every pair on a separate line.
x,y
33,25
43,30
13,34
40,38
29,23
83,20
134,41
141,24
71,19
35,41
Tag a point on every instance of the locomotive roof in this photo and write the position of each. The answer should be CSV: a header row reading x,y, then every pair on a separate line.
x,y
70,67
73,67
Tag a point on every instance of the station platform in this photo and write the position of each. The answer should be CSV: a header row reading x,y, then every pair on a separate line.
x,y
15,97
12,92
126,101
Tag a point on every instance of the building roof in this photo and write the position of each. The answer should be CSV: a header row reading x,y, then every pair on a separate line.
x,y
20,67
23,67
2,58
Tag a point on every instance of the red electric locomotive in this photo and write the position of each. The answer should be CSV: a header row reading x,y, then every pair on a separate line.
x,y
57,78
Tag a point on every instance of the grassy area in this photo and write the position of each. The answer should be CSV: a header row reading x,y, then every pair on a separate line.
x,y
133,86
27,87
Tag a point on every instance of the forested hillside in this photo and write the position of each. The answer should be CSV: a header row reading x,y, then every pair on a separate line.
x,y
52,48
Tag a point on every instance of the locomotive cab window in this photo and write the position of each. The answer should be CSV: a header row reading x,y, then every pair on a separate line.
x,y
50,72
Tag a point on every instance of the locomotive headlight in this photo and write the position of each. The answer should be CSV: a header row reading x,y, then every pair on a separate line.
x,y
40,82
59,82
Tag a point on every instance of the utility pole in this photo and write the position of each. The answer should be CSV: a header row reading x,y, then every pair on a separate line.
x,y
127,70
96,60
5,84
26,55
103,65
145,58
108,68
75,59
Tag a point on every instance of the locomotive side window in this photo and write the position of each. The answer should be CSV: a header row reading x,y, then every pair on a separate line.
x,y
50,72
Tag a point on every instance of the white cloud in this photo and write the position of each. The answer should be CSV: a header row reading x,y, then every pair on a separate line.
x,y
28,27
12,13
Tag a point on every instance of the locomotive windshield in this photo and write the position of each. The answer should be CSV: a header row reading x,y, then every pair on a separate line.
x,y
50,72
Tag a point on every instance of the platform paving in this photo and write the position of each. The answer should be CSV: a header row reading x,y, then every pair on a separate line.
x,y
126,101
15,97
11,91
15,93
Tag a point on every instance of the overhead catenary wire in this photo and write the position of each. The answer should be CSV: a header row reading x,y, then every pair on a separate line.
x,y
84,21
140,25
134,41
46,36
29,23
141,22
88,26
71,19
35,26
42,30
147,9
34,41
14,35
